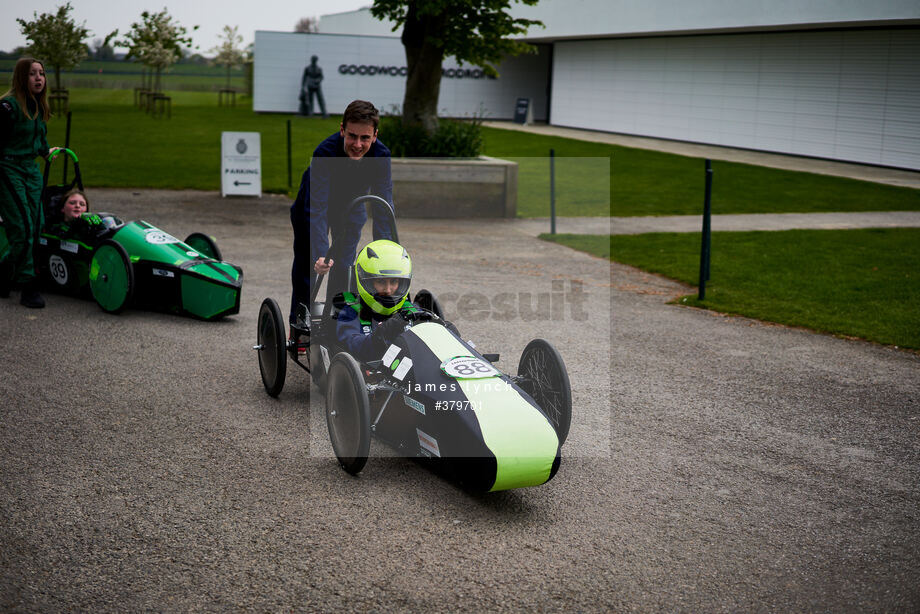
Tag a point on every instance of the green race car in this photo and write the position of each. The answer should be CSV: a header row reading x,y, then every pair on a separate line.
x,y
137,263
134,263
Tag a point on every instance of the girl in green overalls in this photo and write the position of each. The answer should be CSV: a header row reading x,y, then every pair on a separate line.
x,y
23,113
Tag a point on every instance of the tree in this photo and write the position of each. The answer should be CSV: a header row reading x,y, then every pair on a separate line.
x,y
474,31
307,25
228,52
56,39
248,68
102,49
157,42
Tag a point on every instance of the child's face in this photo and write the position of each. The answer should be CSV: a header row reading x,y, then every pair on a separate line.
x,y
36,78
385,287
74,207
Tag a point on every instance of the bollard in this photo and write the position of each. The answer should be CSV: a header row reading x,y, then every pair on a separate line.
x,y
706,247
289,152
552,191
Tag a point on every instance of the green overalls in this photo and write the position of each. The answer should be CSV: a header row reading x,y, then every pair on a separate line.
x,y
20,193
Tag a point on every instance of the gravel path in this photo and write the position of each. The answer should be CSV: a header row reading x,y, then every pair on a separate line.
x,y
714,463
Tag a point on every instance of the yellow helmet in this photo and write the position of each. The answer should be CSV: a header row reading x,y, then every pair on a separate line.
x,y
383,261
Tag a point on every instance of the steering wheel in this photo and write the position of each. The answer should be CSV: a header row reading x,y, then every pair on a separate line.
x,y
422,315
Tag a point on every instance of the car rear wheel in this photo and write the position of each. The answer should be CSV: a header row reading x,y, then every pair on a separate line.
x,y
348,413
545,378
111,276
204,244
272,347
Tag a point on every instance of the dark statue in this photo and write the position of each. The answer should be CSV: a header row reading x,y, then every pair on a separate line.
x,y
309,87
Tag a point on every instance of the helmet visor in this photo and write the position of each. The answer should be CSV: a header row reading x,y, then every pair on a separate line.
x,y
388,290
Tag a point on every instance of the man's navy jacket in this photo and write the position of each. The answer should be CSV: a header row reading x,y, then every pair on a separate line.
x,y
329,184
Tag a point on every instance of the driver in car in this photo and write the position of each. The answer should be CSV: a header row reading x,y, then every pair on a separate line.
x,y
74,219
366,325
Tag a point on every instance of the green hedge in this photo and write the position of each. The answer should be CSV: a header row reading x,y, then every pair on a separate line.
x,y
453,139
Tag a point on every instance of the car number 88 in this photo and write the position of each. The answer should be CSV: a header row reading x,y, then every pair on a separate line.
x,y
468,367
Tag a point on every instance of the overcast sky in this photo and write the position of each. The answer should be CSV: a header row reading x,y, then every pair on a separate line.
x,y
103,16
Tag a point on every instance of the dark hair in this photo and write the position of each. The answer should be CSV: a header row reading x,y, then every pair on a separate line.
x,y
19,89
362,112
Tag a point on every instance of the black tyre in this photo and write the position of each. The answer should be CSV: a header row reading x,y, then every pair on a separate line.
x,y
203,243
272,347
348,413
546,380
427,300
111,276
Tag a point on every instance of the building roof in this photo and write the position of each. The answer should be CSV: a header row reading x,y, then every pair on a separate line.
x,y
581,19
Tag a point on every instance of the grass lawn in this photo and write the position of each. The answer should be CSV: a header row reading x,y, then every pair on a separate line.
x,y
643,182
861,283
120,146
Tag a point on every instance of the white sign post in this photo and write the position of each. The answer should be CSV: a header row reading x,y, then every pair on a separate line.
x,y
241,164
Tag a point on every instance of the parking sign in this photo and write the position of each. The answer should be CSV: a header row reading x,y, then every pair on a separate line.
x,y
241,164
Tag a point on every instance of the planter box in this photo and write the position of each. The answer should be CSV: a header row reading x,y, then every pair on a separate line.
x,y
454,188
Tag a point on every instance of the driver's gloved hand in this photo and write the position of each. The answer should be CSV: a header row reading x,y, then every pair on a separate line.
x,y
86,221
411,314
386,332
90,223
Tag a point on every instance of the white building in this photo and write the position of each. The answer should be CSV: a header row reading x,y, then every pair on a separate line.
x,y
836,79
374,68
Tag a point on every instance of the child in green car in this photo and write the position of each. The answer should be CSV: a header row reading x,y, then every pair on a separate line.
x,y
74,219
74,205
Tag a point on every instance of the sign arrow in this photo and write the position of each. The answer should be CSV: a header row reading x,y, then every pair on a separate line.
x,y
242,183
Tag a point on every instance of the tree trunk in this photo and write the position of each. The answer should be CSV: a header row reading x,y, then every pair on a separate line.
x,y
57,78
228,76
423,60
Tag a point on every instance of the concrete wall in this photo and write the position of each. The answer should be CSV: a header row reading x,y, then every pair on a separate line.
x,y
848,95
450,188
373,68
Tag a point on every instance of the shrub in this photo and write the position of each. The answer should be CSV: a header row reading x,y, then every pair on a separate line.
x,y
455,138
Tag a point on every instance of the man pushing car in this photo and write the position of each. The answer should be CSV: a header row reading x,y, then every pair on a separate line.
x,y
350,163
